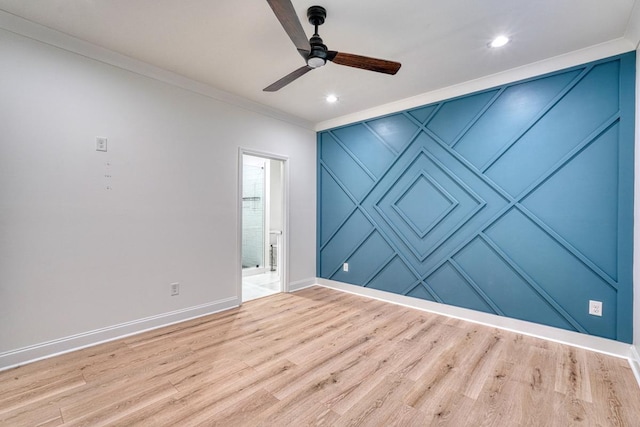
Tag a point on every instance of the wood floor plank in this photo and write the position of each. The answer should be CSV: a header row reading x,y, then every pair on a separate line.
x,y
357,385
106,409
245,411
40,391
323,357
301,410
571,374
53,422
379,404
608,379
450,409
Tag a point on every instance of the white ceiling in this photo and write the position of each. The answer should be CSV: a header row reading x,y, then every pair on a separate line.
x,y
239,46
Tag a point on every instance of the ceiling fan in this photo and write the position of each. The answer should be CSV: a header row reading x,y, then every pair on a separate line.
x,y
313,50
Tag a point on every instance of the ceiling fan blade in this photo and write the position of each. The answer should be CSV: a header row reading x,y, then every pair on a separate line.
x,y
364,62
287,79
288,18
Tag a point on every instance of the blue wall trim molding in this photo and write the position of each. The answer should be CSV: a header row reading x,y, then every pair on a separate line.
x,y
516,201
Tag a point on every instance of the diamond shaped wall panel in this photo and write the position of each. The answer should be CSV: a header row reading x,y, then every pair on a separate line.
x,y
474,202
424,204
463,204
516,201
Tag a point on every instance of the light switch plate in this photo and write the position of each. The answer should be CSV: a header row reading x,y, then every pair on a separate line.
x,y
101,144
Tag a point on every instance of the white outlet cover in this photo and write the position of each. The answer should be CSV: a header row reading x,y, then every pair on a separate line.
x,y
101,144
175,289
345,266
595,308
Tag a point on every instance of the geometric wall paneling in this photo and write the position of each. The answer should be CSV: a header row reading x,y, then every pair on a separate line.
x,y
397,130
421,114
370,151
366,260
578,116
528,100
508,288
335,205
351,234
354,178
393,277
454,288
554,269
516,201
456,115
422,293
583,194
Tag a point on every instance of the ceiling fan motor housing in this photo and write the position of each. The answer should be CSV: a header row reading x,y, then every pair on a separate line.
x,y
318,54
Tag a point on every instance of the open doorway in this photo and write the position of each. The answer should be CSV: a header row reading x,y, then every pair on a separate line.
x,y
262,225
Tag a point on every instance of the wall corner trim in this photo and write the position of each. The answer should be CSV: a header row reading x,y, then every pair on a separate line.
x,y
45,350
574,339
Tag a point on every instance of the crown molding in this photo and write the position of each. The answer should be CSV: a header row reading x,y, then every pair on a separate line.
x,y
57,39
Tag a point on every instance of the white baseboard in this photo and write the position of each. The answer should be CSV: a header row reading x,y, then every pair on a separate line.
x,y
22,356
634,361
301,284
575,339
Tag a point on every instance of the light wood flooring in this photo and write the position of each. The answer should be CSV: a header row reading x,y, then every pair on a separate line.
x,y
323,357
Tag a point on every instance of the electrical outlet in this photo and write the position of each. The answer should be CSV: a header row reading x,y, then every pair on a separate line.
x,y
175,289
595,308
345,267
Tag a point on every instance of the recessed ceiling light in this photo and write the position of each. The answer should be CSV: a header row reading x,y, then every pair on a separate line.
x,y
331,99
499,41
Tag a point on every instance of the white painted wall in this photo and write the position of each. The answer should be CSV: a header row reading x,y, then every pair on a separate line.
x,y
76,257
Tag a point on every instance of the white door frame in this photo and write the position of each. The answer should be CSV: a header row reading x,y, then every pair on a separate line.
x,y
284,261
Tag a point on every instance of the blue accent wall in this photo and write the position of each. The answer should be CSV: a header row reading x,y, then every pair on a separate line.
x,y
516,201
